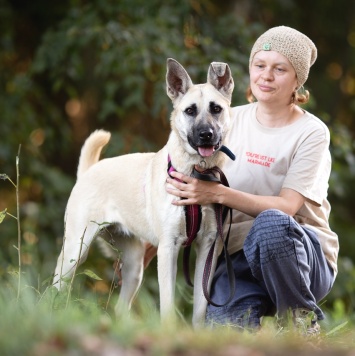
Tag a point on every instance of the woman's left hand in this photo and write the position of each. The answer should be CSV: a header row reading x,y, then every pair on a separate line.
x,y
191,190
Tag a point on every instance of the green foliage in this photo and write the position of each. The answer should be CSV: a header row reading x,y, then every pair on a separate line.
x,y
117,56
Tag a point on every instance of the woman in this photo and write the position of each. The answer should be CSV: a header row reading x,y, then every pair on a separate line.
x,y
283,251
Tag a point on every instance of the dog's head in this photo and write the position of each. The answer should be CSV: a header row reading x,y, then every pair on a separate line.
x,y
201,112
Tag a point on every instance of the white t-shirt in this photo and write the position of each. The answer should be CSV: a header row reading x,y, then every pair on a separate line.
x,y
267,159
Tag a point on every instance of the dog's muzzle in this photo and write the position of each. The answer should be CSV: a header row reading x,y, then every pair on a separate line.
x,y
205,142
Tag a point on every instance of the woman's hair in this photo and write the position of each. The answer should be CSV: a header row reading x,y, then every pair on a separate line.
x,y
299,97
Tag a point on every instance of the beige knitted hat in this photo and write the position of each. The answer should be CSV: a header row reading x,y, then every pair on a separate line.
x,y
294,45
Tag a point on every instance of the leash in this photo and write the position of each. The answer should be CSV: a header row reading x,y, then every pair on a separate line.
x,y
221,214
193,222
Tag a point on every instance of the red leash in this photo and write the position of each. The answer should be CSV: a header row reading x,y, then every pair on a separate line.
x,y
193,223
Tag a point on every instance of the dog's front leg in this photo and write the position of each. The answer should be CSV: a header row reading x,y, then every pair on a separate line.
x,y
167,268
202,246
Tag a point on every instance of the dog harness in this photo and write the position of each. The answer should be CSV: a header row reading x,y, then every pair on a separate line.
x,y
193,222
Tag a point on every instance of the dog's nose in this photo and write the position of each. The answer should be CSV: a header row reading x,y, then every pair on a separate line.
x,y
206,135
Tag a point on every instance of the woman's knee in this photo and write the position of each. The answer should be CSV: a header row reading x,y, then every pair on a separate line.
x,y
272,215
272,236
269,225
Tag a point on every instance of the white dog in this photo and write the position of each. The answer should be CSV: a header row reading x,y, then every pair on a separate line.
x,y
124,200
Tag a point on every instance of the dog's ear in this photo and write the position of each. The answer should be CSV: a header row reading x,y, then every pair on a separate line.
x,y
177,80
220,76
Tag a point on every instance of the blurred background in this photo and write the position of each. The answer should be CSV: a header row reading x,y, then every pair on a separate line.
x,y
72,66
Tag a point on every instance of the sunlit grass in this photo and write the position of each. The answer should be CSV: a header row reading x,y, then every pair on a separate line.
x,y
41,323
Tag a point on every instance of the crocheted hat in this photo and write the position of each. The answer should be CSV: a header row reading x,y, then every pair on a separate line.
x,y
294,45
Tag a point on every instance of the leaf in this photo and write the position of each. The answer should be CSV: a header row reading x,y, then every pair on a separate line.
x,y
47,281
65,279
92,275
2,215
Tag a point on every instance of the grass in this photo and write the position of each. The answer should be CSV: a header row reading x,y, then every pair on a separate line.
x,y
80,321
41,323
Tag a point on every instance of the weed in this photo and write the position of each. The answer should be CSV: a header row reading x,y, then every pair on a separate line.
x,y
17,217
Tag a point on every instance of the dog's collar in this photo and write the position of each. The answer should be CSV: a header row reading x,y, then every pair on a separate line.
x,y
228,152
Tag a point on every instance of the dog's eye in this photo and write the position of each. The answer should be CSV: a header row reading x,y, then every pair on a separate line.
x,y
215,109
191,111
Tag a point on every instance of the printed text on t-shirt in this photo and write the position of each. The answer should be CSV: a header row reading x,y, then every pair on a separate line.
x,y
256,158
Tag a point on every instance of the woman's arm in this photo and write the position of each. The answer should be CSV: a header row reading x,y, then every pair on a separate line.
x,y
201,192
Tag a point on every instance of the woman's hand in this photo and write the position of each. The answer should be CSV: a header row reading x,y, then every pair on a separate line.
x,y
191,190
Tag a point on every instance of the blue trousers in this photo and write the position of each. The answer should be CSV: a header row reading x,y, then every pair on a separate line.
x,y
281,267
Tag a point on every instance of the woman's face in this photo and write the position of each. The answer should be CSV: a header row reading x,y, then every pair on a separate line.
x,y
272,77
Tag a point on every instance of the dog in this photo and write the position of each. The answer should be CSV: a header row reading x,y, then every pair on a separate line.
x,y
124,200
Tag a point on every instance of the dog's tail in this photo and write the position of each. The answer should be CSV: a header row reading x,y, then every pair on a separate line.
x,y
90,152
